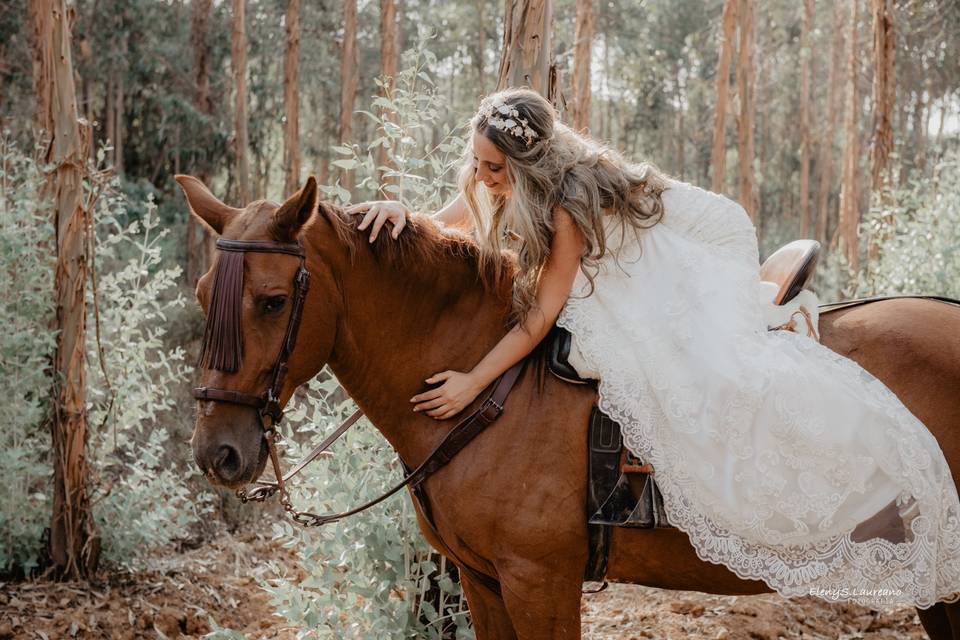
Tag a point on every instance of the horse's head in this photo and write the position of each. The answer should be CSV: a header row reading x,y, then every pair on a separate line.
x,y
248,297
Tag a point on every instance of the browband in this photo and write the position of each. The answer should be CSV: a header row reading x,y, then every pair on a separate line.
x,y
260,246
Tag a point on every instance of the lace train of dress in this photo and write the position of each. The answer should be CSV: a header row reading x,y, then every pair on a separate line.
x,y
781,459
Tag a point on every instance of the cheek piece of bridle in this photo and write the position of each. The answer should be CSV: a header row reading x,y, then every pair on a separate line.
x,y
270,412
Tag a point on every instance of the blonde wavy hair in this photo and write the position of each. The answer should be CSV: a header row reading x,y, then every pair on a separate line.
x,y
557,168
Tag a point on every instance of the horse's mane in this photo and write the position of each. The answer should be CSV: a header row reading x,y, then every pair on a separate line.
x,y
422,244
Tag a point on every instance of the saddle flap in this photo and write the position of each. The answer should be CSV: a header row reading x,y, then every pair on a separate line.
x,y
563,359
621,490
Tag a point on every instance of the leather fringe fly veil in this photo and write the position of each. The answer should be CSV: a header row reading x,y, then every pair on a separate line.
x,y
222,341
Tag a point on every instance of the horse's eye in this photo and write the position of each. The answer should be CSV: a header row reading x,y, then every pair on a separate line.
x,y
273,304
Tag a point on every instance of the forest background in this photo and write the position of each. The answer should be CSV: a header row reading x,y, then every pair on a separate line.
x,y
837,121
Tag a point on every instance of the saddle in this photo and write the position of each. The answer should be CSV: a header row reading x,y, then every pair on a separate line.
x,y
621,489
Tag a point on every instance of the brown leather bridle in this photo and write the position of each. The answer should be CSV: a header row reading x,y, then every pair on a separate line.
x,y
267,404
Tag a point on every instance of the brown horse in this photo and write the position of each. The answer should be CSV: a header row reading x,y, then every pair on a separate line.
x,y
386,315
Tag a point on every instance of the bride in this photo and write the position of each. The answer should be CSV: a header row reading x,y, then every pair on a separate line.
x,y
781,459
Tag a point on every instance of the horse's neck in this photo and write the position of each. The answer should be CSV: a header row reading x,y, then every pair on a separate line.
x,y
398,329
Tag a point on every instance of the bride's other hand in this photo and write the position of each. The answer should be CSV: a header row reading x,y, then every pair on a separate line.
x,y
378,212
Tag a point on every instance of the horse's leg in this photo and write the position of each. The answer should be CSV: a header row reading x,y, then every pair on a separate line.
x,y
935,622
542,603
953,614
490,618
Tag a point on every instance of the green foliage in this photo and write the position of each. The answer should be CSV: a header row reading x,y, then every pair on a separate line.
x,y
366,575
26,343
909,242
916,234
420,151
140,498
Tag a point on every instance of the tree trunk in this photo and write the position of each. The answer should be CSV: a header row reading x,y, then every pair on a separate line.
x,y
805,146
681,123
583,48
605,124
198,243
481,46
74,544
942,118
526,53
884,89
719,156
746,81
849,200
85,54
348,80
389,55
919,133
291,100
388,69
238,61
110,130
199,31
826,143
118,123
3,66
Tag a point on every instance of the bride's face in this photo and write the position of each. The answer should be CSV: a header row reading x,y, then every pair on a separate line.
x,y
490,165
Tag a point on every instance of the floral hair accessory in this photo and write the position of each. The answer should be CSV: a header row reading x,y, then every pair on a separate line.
x,y
505,117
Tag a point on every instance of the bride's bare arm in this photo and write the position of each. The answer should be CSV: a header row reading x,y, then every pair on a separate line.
x,y
553,288
456,214
378,212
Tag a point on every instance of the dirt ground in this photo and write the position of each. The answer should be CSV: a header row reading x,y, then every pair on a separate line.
x,y
631,612
184,594
177,598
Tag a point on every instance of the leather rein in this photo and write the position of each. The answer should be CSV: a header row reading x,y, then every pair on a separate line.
x,y
270,412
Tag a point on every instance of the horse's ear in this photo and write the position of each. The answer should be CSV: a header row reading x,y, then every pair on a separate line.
x,y
295,212
205,205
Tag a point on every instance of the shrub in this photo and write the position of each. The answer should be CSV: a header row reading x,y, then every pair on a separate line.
x,y
909,241
913,236
26,342
139,497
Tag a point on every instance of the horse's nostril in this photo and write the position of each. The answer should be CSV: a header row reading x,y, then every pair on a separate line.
x,y
228,463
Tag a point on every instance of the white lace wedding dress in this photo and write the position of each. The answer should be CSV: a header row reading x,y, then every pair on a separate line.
x,y
769,448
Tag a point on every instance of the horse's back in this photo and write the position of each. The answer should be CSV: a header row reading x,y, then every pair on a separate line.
x,y
913,346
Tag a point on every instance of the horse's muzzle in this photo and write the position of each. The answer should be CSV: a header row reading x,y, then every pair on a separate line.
x,y
229,463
